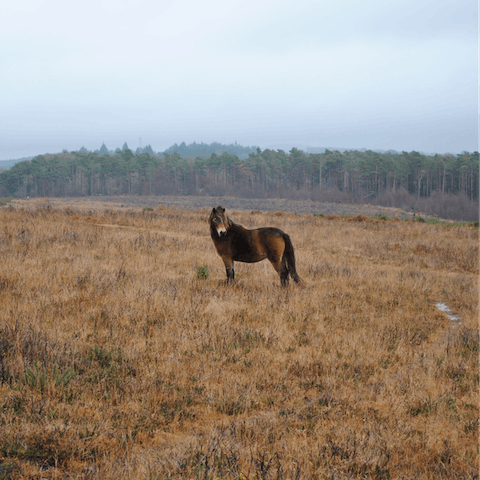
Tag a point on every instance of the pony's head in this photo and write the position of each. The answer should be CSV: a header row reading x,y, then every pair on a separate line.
x,y
218,221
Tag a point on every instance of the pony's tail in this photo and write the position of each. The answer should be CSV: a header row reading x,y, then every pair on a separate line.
x,y
289,258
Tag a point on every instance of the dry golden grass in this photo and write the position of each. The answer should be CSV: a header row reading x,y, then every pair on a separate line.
x,y
117,362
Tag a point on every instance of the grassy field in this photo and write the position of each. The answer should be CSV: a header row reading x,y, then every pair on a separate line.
x,y
119,359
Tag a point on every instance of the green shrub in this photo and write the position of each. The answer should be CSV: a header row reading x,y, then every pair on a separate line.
x,y
202,271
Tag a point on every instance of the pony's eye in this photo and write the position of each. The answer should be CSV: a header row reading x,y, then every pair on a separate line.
x,y
214,220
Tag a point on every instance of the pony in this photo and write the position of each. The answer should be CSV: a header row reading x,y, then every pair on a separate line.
x,y
235,243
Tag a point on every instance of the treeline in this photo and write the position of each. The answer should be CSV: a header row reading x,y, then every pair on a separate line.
x,y
353,176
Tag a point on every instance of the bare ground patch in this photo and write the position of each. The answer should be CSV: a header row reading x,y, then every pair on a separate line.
x,y
231,203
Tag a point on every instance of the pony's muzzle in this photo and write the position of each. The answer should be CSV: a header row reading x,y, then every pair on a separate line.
x,y
221,232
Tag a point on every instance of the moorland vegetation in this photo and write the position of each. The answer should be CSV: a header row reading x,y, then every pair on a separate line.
x,y
123,353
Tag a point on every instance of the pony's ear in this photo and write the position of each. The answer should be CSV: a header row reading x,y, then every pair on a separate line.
x,y
213,210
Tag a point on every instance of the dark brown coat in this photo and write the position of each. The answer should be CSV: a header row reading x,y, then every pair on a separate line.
x,y
235,243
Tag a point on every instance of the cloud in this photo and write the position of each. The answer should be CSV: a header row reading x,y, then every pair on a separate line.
x,y
257,69
306,24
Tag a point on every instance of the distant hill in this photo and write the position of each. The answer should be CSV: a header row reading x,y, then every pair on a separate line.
x,y
7,164
200,149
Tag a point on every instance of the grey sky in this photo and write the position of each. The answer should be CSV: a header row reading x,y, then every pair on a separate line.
x,y
351,74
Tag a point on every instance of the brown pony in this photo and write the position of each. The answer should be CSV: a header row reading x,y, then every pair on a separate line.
x,y
235,243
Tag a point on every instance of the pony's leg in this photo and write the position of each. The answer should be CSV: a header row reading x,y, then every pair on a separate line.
x,y
282,270
229,268
275,247
284,275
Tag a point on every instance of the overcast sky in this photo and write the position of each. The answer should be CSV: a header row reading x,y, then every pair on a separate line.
x,y
400,74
